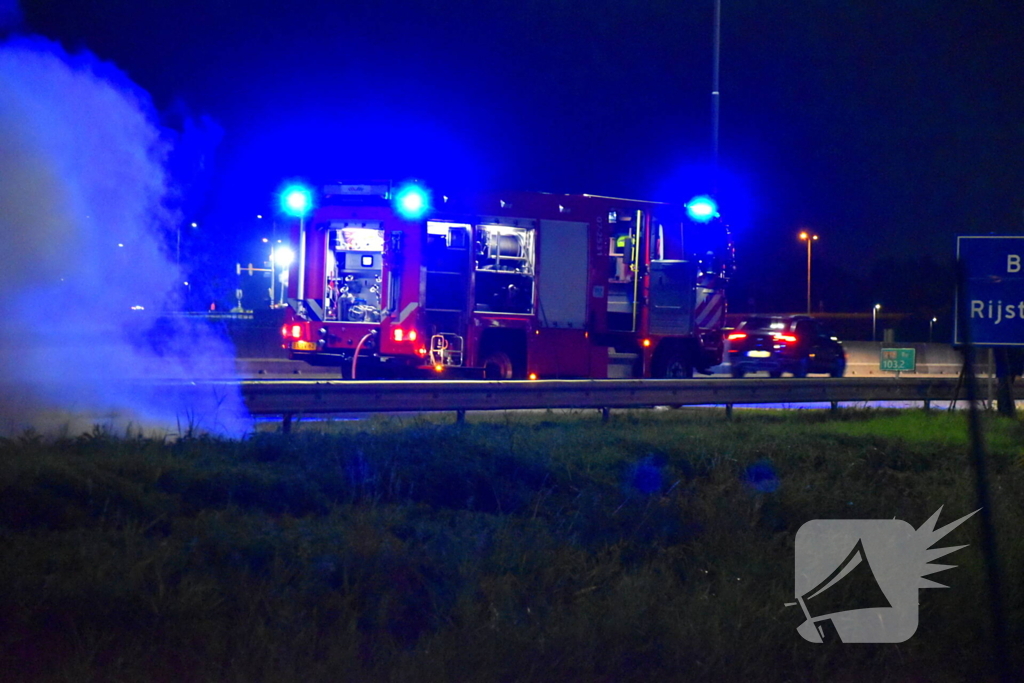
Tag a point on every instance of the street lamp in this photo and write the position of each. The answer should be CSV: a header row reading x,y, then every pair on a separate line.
x,y
809,238
874,320
931,324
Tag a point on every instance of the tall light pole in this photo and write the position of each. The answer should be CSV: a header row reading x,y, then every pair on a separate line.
x,y
931,324
874,320
809,238
715,59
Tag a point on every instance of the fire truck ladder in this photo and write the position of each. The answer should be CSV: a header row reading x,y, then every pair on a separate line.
x,y
446,349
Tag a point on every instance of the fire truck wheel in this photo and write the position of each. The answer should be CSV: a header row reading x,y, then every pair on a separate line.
x,y
675,366
497,365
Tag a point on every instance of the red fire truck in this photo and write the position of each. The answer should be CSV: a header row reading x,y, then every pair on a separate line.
x,y
397,280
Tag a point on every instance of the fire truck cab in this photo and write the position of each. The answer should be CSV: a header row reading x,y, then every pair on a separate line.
x,y
396,281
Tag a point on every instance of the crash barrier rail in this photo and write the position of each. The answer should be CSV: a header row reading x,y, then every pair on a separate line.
x,y
297,398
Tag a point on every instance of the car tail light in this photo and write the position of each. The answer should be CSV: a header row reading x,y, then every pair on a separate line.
x,y
737,335
296,331
785,338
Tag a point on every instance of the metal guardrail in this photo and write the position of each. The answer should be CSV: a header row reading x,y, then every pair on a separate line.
x,y
324,397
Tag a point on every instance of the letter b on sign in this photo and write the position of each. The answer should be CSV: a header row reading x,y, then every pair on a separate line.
x,y
1013,263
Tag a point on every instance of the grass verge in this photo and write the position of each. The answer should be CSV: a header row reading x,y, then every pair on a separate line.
x,y
531,548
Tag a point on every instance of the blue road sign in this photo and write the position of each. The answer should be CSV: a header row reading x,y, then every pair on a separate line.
x,y
993,297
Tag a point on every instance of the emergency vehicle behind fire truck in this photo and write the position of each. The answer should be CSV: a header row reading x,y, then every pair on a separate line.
x,y
392,281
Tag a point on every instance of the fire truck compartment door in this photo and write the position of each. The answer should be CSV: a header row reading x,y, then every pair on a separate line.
x,y
562,274
672,286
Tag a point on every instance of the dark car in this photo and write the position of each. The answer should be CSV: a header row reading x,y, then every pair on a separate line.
x,y
797,344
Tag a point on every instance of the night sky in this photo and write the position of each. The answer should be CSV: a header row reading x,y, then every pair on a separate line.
x,y
886,127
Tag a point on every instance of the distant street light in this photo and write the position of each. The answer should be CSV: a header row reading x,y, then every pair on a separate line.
x,y
809,238
874,320
931,324
282,256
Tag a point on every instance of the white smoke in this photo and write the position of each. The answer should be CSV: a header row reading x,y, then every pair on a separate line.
x,y
82,214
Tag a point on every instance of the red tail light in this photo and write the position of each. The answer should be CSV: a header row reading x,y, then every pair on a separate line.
x,y
296,331
398,334
785,338
737,335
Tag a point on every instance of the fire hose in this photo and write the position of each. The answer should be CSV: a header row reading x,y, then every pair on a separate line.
x,y
359,346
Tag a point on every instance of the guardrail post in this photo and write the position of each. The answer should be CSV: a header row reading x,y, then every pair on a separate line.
x,y
286,426
460,417
834,407
728,411
606,413
927,404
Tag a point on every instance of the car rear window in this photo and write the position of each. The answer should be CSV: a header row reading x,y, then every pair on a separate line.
x,y
761,323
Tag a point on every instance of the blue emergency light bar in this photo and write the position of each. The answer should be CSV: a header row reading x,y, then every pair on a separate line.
x,y
702,209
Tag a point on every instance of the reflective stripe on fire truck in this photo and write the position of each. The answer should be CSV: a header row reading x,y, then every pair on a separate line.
x,y
710,309
406,312
312,308
316,309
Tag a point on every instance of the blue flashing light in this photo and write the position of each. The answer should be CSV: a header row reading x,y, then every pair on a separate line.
x,y
296,200
412,202
702,209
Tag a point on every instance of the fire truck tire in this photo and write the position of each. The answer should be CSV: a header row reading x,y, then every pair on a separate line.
x,y
674,365
497,365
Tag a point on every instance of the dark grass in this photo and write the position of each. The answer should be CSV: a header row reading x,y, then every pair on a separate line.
x,y
536,548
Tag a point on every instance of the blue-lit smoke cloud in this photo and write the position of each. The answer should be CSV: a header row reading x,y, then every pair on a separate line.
x,y
83,216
